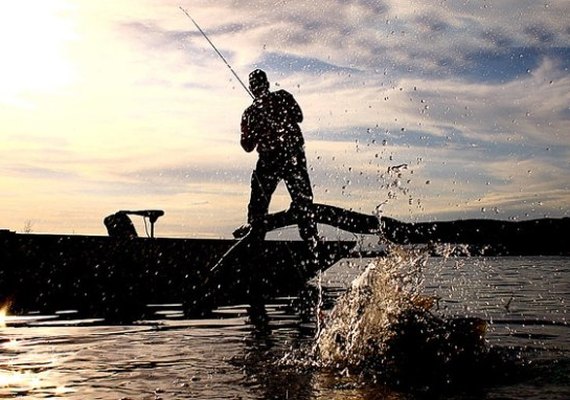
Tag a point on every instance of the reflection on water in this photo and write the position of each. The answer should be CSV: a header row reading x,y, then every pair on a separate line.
x,y
226,356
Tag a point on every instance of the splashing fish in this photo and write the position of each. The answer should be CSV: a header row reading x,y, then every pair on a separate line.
x,y
383,323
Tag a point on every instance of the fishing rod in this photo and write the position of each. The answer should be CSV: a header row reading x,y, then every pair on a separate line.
x,y
217,51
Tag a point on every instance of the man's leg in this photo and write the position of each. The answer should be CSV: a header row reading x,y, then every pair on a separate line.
x,y
263,184
299,186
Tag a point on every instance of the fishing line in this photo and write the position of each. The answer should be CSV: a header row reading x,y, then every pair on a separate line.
x,y
217,51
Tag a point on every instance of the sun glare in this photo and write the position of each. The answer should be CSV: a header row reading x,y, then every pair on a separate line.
x,y
33,38
3,313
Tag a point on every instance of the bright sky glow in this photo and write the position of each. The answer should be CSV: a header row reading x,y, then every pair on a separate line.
x,y
109,105
33,42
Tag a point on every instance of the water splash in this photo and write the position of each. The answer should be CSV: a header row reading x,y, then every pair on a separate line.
x,y
361,324
384,324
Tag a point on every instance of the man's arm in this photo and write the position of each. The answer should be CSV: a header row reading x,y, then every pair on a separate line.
x,y
248,138
293,109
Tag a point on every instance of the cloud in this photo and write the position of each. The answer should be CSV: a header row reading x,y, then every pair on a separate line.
x,y
423,37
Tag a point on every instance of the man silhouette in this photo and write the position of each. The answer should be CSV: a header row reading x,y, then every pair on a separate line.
x,y
271,126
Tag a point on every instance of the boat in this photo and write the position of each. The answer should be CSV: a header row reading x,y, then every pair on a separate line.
x,y
118,275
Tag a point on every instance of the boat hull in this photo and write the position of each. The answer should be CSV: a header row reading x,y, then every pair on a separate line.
x,y
105,276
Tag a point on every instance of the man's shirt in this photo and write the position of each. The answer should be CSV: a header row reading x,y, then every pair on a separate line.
x,y
271,124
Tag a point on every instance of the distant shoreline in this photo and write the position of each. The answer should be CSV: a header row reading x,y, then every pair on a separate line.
x,y
545,236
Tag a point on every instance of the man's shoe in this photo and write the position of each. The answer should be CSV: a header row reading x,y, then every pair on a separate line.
x,y
242,231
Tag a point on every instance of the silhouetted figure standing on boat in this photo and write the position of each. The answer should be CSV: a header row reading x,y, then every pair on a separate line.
x,y
271,126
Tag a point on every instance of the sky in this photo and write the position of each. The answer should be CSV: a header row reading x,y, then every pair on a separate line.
x,y
418,110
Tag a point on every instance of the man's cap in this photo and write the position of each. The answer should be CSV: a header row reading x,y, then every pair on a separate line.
x,y
257,77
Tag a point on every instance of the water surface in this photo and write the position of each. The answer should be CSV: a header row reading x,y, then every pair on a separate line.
x,y
227,356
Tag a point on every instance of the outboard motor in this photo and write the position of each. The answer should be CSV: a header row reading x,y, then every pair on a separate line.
x,y
120,225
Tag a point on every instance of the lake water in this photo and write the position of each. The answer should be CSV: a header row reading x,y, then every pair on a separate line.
x,y
226,356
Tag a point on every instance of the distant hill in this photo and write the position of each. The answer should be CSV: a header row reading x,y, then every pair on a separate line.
x,y
547,236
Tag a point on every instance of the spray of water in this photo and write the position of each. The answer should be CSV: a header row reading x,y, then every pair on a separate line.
x,y
384,324
364,320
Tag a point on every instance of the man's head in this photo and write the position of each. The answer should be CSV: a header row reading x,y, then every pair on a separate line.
x,y
258,83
